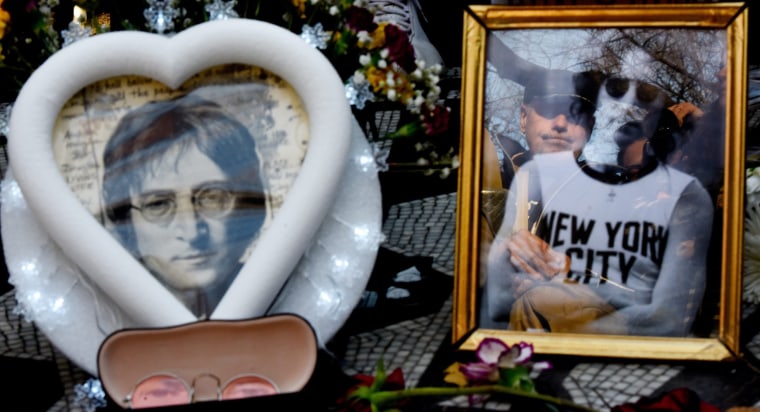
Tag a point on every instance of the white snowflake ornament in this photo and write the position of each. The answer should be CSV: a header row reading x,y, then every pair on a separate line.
x,y
358,92
315,35
75,32
90,395
5,118
160,15
221,10
380,152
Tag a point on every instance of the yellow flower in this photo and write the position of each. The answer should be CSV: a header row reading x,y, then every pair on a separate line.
x,y
5,17
376,78
378,37
455,376
404,89
300,5
391,84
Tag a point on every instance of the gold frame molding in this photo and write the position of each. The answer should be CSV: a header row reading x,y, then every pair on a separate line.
x,y
478,21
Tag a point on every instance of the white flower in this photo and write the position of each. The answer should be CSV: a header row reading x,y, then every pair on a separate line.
x,y
334,11
390,80
751,261
382,64
365,59
753,180
752,188
359,77
751,279
364,37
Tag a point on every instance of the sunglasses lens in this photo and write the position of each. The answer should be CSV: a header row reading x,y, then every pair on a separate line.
x,y
248,387
160,390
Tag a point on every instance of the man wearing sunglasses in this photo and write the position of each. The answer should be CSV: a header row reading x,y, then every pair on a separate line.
x,y
557,112
583,250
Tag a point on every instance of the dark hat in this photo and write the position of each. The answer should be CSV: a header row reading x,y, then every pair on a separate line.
x,y
563,84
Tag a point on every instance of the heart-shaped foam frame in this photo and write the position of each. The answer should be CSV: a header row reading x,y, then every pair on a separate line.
x,y
172,61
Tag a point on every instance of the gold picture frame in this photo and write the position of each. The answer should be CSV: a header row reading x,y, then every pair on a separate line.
x,y
480,164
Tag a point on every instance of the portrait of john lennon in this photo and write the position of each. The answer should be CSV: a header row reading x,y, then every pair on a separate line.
x,y
184,193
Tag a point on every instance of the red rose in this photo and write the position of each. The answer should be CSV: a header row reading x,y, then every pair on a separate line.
x,y
399,47
359,18
355,400
436,121
677,400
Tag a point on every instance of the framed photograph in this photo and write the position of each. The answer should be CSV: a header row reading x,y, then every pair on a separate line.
x,y
601,188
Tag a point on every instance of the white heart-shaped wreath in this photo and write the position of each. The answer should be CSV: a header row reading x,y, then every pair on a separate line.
x,y
172,61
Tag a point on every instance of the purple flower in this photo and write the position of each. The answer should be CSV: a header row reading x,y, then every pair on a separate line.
x,y
500,363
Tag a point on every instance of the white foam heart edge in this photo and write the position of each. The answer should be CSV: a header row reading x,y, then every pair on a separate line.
x,y
172,61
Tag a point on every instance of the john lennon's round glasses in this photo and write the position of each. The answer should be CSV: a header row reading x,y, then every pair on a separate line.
x,y
208,201
165,389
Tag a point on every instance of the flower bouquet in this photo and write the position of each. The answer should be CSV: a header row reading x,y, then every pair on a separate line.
x,y
374,56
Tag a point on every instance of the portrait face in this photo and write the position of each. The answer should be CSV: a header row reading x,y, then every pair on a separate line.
x,y
181,228
555,125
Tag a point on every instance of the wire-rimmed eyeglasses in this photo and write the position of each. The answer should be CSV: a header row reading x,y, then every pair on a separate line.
x,y
209,201
166,389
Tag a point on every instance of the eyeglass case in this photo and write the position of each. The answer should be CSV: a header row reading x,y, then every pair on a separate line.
x,y
282,348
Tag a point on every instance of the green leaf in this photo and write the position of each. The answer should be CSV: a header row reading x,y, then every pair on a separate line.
x,y
517,377
407,130
362,392
380,376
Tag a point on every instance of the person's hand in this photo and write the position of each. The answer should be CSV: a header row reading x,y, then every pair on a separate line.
x,y
532,255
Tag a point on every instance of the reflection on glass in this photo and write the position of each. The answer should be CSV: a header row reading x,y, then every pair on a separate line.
x,y
589,245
